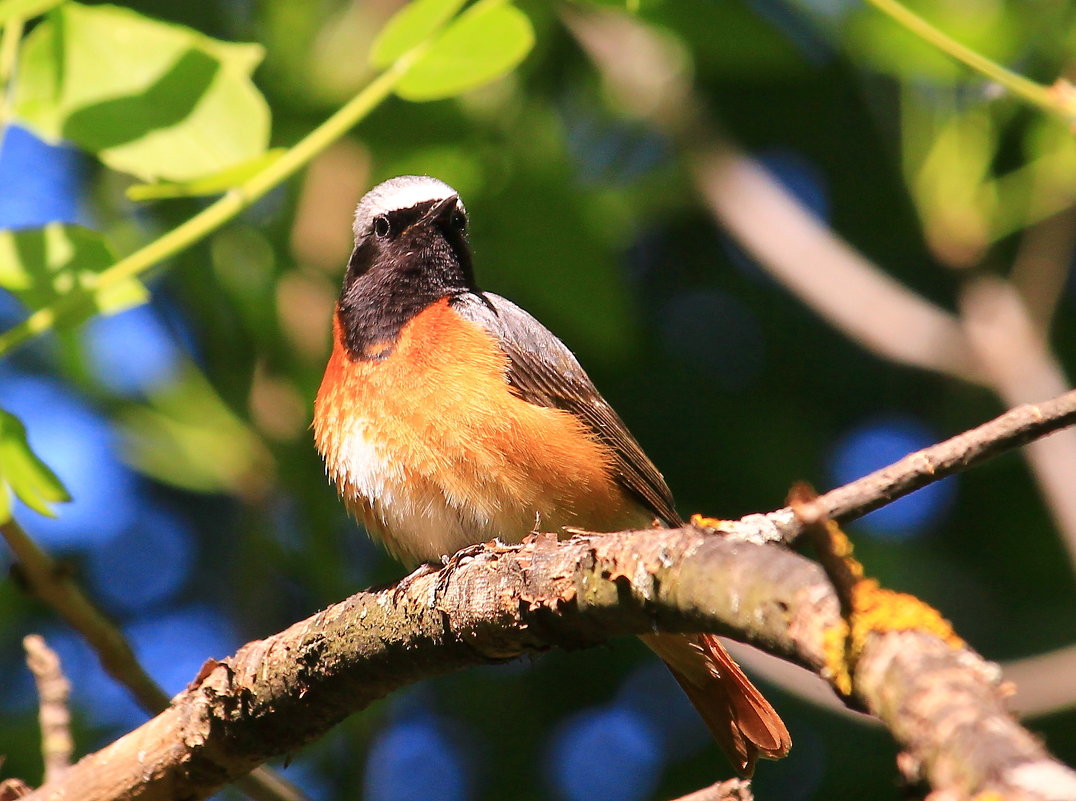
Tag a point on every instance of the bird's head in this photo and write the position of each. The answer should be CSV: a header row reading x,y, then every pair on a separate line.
x,y
411,229
411,251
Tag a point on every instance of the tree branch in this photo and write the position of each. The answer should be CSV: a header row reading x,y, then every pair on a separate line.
x,y
1015,353
57,588
827,273
53,690
848,290
496,602
731,790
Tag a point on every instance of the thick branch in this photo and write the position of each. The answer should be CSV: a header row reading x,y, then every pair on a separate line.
x,y
496,602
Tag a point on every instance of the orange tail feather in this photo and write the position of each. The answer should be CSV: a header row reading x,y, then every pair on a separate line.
x,y
744,724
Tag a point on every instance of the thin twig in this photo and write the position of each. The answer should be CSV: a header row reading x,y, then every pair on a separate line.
x,y
1011,430
1022,369
57,588
1016,427
1045,683
831,556
731,790
53,692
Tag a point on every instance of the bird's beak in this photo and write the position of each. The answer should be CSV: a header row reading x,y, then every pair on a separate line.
x,y
441,210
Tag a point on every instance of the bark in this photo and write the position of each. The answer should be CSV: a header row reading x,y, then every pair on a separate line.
x,y
496,602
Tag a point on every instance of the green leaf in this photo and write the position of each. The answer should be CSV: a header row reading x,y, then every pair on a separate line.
x,y
156,100
24,9
41,265
209,185
411,25
23,473
484,43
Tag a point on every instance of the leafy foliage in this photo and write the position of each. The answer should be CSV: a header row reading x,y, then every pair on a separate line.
x,y
23,474
41,265
486,41
411,26
150,99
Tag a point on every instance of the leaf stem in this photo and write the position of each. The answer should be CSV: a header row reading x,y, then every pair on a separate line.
x,y
1034,93
221,211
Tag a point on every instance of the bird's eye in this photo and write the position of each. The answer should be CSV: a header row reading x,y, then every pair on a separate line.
x,y
381,226
459,221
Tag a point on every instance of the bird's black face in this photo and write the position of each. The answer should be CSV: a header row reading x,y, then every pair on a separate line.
x,y
429,237
404,260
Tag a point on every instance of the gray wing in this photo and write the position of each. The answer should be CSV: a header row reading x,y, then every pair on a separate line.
x,y
544,372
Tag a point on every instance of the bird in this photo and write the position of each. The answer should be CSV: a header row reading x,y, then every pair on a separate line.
x,y
448,416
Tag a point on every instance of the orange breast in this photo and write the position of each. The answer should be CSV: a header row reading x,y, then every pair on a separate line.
x,y
433,451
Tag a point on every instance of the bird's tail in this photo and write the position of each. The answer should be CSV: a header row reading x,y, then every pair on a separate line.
x,y
741,720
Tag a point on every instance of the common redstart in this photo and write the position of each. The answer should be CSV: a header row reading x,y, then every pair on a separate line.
x,y
448,416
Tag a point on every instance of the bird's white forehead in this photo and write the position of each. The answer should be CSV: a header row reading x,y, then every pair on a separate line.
x,y
401,192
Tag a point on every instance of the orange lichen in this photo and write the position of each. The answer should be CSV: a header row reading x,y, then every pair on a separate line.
x,y
874,610
841,546
838,668
699,521
880,610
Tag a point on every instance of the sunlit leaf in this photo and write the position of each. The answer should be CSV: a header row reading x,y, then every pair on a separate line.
x,y
24,9
209,185
23,473
484,43
411,25
41,265
156,100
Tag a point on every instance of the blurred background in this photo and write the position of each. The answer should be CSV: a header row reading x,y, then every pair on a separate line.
x,y
786,239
